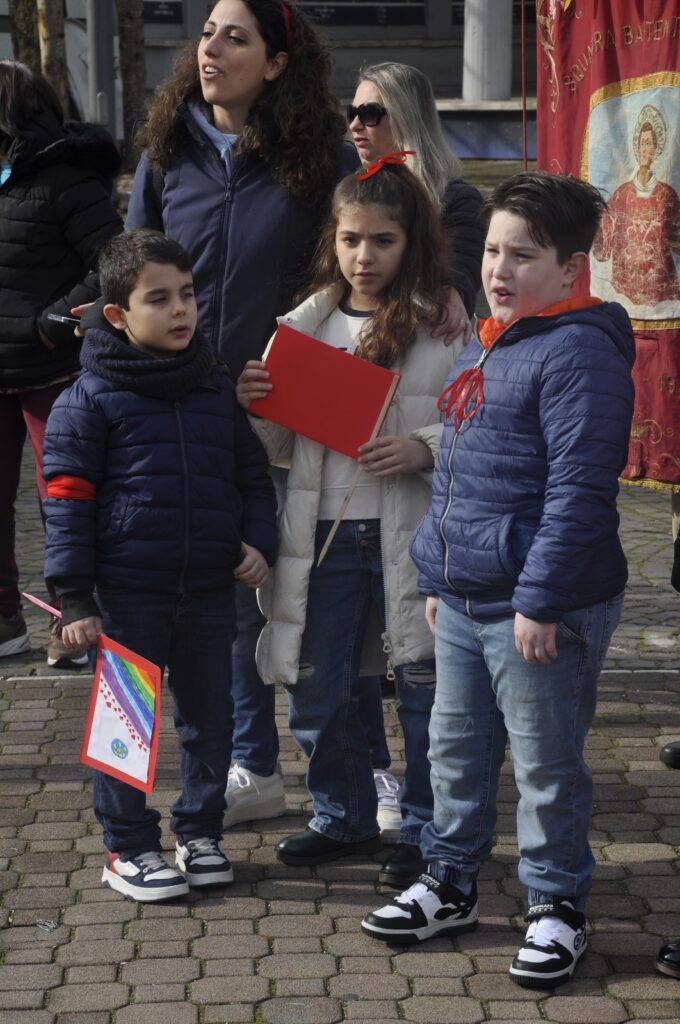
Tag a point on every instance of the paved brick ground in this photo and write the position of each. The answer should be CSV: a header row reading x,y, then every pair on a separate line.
x,y
283,945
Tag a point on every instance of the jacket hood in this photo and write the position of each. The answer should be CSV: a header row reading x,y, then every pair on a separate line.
x,y
609,317
75,142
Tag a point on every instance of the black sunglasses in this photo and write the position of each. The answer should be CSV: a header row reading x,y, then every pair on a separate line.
x,y
370,114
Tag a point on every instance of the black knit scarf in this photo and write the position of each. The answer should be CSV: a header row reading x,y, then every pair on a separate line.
x,y
109,355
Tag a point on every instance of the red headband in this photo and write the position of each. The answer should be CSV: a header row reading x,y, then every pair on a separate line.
x,y
285,11
396,157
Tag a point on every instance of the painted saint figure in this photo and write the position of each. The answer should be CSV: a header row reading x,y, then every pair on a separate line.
x,y
641,230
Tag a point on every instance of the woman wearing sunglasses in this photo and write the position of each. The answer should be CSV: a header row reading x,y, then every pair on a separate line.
x,y
239,168
394,109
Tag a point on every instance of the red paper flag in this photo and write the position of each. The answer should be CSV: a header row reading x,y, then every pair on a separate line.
x,y
323,393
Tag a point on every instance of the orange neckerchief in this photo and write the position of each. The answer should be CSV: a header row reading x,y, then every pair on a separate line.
x,y
489,329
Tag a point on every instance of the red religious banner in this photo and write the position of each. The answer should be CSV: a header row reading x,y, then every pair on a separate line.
x,y
608,111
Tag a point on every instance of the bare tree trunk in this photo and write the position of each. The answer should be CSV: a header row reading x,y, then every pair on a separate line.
x,y
53,46
132,73
24,22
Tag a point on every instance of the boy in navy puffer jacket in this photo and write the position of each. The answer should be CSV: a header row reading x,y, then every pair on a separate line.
x,y
524,571
158,496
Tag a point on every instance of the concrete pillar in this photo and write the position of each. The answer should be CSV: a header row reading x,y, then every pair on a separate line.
x,y
101,28
487,50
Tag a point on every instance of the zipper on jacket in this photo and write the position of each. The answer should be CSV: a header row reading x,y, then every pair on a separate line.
x,y
387,649
185,487
449,500
223,234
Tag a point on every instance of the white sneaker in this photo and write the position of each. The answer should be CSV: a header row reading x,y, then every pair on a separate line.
x,y
426,909
146,878
389,811
202,862
554,943
251,796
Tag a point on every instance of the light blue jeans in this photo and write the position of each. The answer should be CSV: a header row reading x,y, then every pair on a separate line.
x,y
487,694
327,714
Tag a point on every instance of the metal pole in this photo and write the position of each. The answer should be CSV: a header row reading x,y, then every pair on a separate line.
x,y
101,27
487,50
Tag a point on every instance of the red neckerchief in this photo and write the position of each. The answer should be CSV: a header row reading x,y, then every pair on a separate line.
x,y
463,397
489,329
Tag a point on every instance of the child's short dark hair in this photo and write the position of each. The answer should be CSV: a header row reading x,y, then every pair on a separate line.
x,y
123,258
559,210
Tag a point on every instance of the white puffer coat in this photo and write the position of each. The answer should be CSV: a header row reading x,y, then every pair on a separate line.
x,y
404,501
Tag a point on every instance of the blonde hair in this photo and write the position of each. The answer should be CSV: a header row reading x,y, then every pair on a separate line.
x,y
407,94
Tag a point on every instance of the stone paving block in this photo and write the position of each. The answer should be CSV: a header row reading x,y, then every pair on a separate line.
x,y
160,1013
35,976
81,998
91,973
154,950
229,1013
98,951
26,1017
377,1011
643,1009
28,955
159,994
435,1010
297,944
239,989
368,986
566,1010
95,1017
158,972
218,947
428,964
506,1011
291,924
25,999
438,986
146,930
298,965
222,968
300,987
301,1011
362,964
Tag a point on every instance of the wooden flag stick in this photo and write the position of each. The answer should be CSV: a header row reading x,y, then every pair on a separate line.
x,y
359,470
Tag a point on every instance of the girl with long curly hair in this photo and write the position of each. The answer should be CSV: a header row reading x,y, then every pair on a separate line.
x,y
378,288
243,147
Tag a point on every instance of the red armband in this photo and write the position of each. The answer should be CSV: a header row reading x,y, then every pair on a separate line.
x,y
72,487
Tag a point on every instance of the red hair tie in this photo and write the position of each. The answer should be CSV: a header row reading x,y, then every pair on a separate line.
x,y
396,157
462,397
285,11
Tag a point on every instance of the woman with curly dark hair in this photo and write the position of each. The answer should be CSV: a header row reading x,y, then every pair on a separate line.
x,y
243,147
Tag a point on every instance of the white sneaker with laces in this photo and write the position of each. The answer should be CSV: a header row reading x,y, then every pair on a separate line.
x,y
555,941
426,909
146,878
389,811
202,862
251,796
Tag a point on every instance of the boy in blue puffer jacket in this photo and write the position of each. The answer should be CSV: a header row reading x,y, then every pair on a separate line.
x,y
158,497
524,571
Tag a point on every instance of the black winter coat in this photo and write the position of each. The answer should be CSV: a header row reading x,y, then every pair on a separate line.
x,y
55,215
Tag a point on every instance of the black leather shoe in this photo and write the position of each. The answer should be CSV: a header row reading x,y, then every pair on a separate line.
x,y
310,847
403,866
670,754
668,958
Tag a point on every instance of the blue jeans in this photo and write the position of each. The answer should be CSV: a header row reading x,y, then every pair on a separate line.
x,y
486,694
325,705
191,635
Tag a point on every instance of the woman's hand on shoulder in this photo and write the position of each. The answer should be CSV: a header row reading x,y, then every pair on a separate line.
x,y
253,383
455,320
385,456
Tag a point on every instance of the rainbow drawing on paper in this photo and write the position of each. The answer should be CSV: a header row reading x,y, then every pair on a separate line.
x,y
129,691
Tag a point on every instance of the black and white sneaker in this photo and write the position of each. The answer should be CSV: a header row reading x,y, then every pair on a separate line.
x,y
427,908
202,862
554,943
145,878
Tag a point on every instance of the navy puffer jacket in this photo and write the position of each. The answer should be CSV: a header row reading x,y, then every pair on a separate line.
x,y
523,514
180,478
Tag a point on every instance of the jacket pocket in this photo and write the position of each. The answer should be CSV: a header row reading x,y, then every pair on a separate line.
x,y
515,537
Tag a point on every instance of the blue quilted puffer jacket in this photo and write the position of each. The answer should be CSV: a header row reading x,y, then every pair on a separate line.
x,y
180,478
523,514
